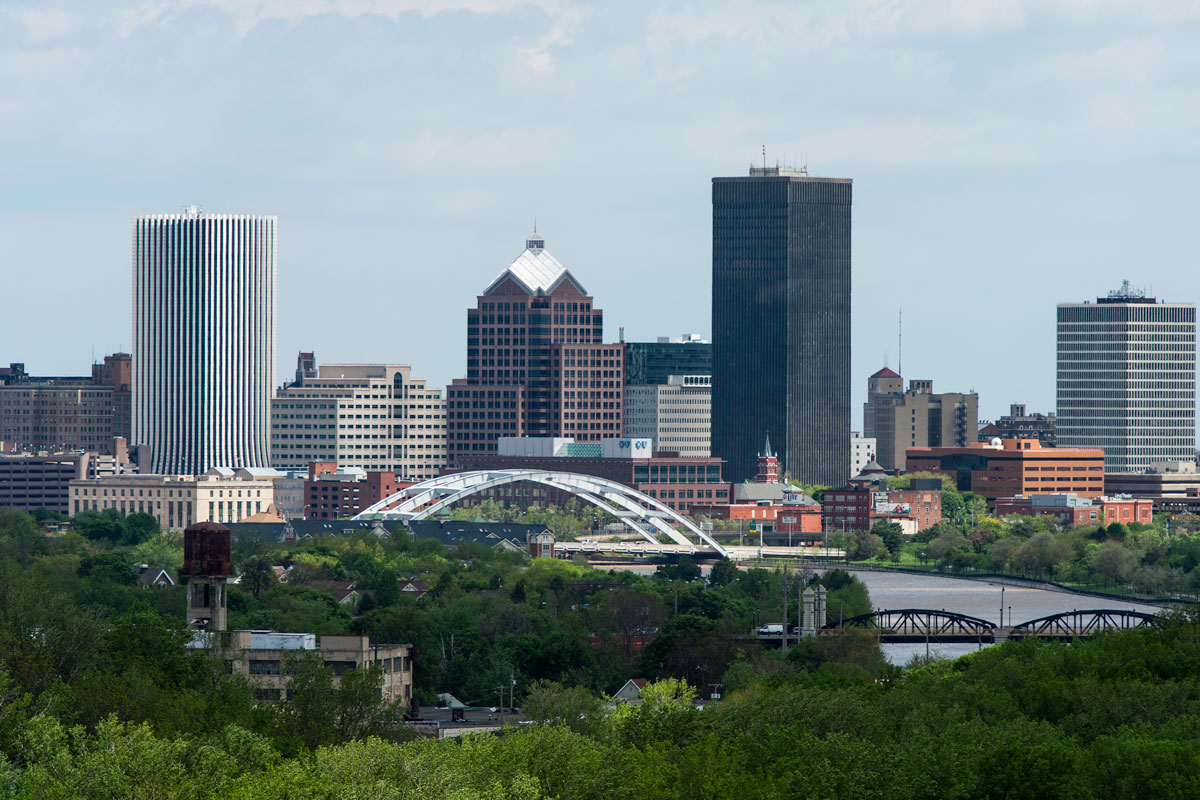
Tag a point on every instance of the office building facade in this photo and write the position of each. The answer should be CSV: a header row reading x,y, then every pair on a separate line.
x,y
67,413
781,322
897,419
1127,379
676,416
204,289
674,481
862,452
653,363
1021,424
30,481
1015,467
178,501
375,417
537,364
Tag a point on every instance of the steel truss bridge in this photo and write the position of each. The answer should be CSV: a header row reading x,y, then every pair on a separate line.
x,y
641,513
927,625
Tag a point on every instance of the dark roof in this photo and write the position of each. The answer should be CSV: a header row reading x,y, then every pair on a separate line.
x,y
206,526
489,533
886,373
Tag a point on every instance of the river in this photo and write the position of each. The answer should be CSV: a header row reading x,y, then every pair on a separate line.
x,y
975,598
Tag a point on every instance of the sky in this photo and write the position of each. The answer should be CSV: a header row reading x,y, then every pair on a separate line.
x,y
1006,156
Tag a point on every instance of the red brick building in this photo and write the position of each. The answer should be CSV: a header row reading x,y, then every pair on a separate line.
x,y
1015,467
332,493
1072,511
537,364
677,482
857,507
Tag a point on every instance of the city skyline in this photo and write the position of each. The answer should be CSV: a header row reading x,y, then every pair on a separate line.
x,y
987,143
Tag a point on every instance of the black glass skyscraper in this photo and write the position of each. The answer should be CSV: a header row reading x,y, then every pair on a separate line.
x,y
781,322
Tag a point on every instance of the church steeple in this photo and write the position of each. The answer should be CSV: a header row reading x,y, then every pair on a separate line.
x,y
768,464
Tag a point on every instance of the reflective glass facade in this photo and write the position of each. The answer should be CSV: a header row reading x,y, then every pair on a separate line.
x,y
781,323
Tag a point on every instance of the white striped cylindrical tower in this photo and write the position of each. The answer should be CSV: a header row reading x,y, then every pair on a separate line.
x,y
203,339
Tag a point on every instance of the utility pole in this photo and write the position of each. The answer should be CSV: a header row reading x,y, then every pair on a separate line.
x,y
1002,606
783,582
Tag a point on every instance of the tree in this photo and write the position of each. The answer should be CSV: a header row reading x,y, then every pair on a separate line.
x,y
551,703
724,572
634,614
258,575
20,538
311,713
1114,562
891,534
139,527
693,648
108,567
517,595
866,545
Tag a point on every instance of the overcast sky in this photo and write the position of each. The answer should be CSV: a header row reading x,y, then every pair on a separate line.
x,y
1006,156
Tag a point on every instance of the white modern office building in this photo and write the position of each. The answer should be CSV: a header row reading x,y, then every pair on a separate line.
x,y
862,452
676,416
1127,379
204,288
374,416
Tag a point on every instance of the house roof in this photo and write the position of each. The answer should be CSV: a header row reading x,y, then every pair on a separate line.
x,y
535,270
758,491
886,373
149,576
450,532
270,515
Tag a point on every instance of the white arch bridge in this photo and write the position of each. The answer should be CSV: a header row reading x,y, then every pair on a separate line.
x,y
641,513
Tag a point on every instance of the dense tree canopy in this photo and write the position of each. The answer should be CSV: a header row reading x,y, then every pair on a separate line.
x,y
100,695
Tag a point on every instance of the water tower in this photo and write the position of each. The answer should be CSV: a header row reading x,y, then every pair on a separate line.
x,y
207,569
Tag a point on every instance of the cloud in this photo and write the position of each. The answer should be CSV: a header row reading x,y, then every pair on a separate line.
x,y
247,14
814,26
562,33
42,25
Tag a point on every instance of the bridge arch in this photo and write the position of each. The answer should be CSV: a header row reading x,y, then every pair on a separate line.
x,y
919,622
1072,624
641,513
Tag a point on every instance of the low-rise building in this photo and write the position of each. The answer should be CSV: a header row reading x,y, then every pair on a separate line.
x,y
1011,467
860,504
1163,481
261,656
675,481
1070,510
1019,424
43,480
289,495
222,495
333,492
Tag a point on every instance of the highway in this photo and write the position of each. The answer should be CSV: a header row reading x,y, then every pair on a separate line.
x,y
736,552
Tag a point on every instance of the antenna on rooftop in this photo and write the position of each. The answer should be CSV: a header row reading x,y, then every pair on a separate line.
x,y
900,342
764,156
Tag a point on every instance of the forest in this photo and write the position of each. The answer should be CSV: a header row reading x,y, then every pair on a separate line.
x,y
101,697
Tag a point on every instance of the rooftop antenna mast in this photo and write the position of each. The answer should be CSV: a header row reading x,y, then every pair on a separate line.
x,y
900,343
764,156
